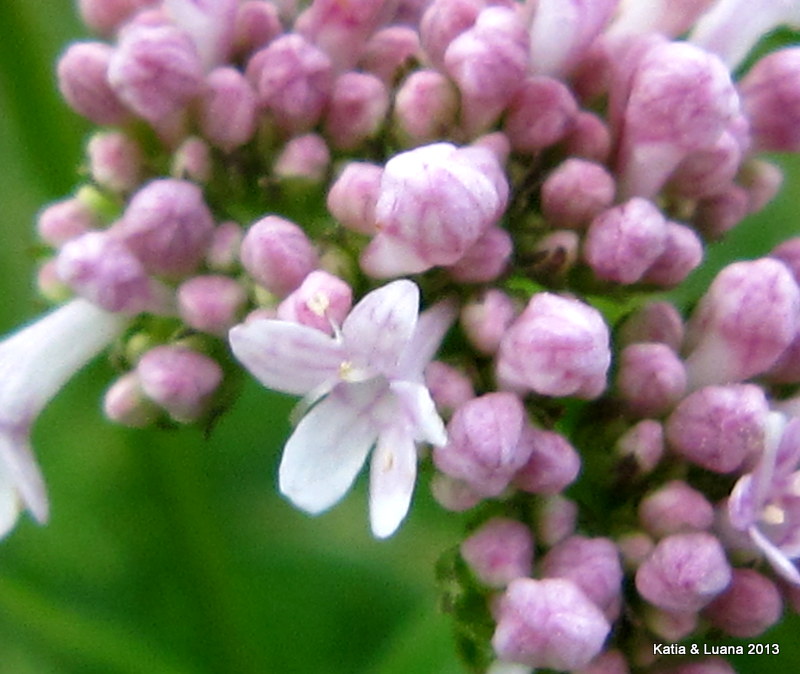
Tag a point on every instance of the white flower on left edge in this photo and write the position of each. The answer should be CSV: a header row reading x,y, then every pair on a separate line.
x,y
371,371
35,363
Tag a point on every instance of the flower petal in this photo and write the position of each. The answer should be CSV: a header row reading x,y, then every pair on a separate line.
x,y
9,504
392,474
287,357
432,326
381,325
18,467
329,446
775,556
416,402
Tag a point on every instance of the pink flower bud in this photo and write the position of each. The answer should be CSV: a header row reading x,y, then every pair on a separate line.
x,y
714,216
352,197
719,427
115,161
452,494
321,301
124,403
684,573
488,61
356,110
681,100
278,254
228,109
553,464
749,607
192,160
554,255
669,625
762,182
168,226
608,662
483,448
558,347
389,51
624,241
425,107
306,157
210,25
643,443
635,547
576,192
100,268
179,380
673,508
486,259
155,70
435,202
556,519
653,322
748,317
294,80
589,138
541,114
499,551
82,80
682,254
65,220
449,387
211,304
257,24
668,17
486,319
105,16
708,171
223,251
651,379
548,623
702,666
442,22
49,284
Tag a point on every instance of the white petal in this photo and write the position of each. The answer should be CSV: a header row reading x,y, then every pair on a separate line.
x,y
287,357
432,326
18,466
392,474
779,561
379,328
9,504
329,446
418,406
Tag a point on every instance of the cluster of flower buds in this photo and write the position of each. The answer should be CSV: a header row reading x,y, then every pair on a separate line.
x,y
416,214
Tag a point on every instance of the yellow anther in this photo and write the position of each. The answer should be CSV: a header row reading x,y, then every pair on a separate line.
x,y
773,514
319,303
388,461
345,370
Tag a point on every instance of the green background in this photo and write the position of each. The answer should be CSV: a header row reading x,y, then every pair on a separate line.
x,y
170,552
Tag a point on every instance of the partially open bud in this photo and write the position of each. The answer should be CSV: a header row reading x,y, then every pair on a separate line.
x,y
356,110
673,508
651,379
211,303
321,301
499,551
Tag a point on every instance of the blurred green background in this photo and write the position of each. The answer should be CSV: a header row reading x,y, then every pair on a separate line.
x,y
171,552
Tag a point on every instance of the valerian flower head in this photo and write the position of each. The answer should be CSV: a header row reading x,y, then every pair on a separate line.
x,y
371,372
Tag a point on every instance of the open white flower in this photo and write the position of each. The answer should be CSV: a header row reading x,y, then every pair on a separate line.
x,y
371,371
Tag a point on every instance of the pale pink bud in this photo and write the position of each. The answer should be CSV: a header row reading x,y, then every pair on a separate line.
x,y
483,447
668,17
548,623
682,254
449,387
452,494
105,16
486,319
748,317
278,254
356,110
306,157
115,161
389,51
223,251
499,551
488,61
654,322
589,138
669,625
554,254
228,109
714,216
762,181
321,301
634,548
624,241
293,81
642,443
497,143
541,114
553,464
684,573
257,24
719,427
168,226
82,80
435,202
211,303
651,379
749,607
100,268
352,197
65,220
192,160
179,380
556,518
576,192
425,107
486,259
558,346
124,403
155,70
708,171
673,508
49,284
442,22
